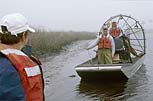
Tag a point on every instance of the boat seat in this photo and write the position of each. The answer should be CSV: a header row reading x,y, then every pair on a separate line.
x,y
122,55
118,45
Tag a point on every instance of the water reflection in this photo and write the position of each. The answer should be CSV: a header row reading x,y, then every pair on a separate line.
x,y
137,86
119,90
99,90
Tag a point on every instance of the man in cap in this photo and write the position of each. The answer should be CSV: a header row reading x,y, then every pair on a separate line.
x,y
106,47
114,31
20,75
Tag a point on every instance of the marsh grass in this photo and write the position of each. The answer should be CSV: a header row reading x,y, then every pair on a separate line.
x,y
44,42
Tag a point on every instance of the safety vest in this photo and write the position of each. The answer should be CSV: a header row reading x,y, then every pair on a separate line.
x,y
114,32
104,42
29,72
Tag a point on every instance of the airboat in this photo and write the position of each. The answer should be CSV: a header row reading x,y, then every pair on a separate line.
x,y
130,50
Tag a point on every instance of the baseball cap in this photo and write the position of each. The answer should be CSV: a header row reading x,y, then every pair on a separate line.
x,y
105,27
15,23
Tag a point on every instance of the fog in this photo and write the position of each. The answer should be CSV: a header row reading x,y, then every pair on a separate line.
x,y
77,15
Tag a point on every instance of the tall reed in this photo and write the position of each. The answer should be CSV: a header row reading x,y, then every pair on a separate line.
x,y
44,42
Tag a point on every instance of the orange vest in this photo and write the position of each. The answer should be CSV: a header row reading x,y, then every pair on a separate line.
x,y
114,32
29,72
104,43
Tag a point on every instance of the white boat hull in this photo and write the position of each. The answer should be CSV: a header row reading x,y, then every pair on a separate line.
x,y
108,71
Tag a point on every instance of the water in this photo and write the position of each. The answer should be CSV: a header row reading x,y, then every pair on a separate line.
x,y
63,84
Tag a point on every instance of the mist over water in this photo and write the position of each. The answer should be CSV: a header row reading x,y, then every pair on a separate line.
x,y
63,84
77,15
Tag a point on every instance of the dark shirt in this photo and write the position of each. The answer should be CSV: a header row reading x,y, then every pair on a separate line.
x,y
10,83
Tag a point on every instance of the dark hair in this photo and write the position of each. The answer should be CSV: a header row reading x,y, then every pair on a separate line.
x,y
7,38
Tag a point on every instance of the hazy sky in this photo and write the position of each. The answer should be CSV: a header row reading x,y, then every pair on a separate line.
x,y
77,15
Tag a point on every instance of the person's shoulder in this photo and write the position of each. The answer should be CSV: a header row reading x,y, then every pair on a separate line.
x,y
119,28
2,57
110,36
4,61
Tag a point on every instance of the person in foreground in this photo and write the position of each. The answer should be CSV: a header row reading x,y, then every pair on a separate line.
x,y
106,47
21,77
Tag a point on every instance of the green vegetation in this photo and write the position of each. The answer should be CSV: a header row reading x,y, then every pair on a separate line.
x,y
44,42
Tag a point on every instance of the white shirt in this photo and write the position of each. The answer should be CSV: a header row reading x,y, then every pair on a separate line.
x,y
95,42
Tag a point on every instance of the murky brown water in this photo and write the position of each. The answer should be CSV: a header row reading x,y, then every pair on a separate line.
x,y
63,84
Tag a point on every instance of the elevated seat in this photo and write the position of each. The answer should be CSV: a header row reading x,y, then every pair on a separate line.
x,y
118,45
121,55
118,50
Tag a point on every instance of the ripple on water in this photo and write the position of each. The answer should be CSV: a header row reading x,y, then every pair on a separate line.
x,y
62,85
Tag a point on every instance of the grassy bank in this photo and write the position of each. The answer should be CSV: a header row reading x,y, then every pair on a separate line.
x,y
44,42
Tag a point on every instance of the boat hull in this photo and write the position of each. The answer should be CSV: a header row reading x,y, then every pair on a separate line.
x,y
88,71
102,75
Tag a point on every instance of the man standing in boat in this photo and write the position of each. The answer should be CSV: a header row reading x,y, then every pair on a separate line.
x,y
106,47
114,31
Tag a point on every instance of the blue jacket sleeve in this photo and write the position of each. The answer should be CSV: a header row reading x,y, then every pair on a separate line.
x,y
10,83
